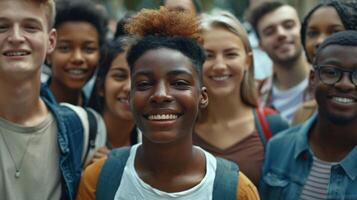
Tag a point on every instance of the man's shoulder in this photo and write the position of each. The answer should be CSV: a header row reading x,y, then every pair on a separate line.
x,y
287,139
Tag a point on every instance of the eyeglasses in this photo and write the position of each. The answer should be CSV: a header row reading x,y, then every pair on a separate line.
x,y
330,75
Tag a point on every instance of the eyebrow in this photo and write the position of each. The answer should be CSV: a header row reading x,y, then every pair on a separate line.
x,y
179,72
142,73
170,73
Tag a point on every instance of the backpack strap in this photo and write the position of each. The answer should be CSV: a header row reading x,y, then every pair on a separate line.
x,y
93,130
111,173
268,124
225,181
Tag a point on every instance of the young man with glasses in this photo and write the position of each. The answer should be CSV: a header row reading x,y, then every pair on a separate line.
x,y
317,160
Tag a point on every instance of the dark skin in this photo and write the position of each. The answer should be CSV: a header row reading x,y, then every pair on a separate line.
x,y
70,96
330,139
164,82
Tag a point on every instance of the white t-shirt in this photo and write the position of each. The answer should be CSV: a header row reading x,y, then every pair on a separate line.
x,y
133,188
288,101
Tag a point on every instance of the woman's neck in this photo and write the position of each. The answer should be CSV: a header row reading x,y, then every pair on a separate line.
x,y
224,110
64,94
118,130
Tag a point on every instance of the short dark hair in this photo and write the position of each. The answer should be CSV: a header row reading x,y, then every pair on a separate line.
x,y
346,11
260,10
196,3
82,11
109,51
343,38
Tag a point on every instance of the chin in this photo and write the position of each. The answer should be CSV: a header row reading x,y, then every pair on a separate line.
x,y
341,120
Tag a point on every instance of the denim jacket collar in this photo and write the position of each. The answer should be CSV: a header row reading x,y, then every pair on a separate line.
x,y
349,164
302,148
302,142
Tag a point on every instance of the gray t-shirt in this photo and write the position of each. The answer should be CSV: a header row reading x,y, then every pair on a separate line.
x,y
40,177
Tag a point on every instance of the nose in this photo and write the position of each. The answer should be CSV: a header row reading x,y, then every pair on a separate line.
x,y
319,40
126,87
219,64
161,94
16,35
345,83
281,33
77,56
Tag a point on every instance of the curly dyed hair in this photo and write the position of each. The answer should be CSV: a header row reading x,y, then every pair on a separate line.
x,y
347,11
166,29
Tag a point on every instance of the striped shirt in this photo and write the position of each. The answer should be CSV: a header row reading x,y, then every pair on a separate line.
x,y
318,180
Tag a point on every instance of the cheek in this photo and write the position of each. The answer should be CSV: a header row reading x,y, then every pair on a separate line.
x,y
93,60
59,60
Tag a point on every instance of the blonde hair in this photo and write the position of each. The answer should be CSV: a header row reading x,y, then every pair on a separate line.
x,y
227,21
50,10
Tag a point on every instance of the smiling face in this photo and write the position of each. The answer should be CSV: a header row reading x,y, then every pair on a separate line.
x,y
25,38
117,87
337,102
323,22
165,95
225,64
76,56
279,33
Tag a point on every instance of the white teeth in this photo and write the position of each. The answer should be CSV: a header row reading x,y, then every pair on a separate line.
x,y
220,78
16,53
76,71
123,100
343,100
163,117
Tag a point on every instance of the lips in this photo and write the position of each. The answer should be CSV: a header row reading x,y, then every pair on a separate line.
x,y
162,117
16,53
220,78
343,100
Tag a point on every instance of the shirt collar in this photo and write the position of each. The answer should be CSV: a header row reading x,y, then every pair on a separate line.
x,y
302,143
349,163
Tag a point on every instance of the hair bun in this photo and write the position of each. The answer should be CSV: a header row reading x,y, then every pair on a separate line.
x,y
164,23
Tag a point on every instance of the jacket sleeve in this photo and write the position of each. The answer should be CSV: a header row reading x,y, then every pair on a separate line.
x,y
246,189
87,186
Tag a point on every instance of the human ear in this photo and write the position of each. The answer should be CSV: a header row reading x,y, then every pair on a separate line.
x,y
204,98
248,61
52,40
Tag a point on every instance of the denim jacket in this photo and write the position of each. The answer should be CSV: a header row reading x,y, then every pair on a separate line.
x,y
70,141
288,161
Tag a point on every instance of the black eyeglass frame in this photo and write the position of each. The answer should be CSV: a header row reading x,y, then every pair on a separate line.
x,y
336,69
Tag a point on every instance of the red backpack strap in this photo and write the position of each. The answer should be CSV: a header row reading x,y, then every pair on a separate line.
x,y
263,122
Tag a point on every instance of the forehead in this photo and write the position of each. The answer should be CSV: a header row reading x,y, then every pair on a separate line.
x,y
278,16
342,55
19,10
73,30
163,60
180,4
119,61
326,15
221,37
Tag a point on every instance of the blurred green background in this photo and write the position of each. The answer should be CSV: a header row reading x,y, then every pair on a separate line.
x,y
117,8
